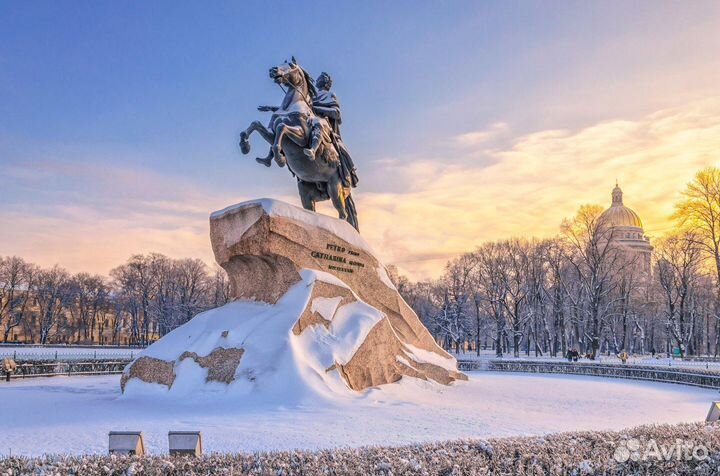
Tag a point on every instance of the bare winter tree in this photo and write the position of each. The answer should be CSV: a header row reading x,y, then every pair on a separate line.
x,y
595,258
679,273
136,283
514,279
541,332
629,282
554,254
88,296
53,296
455,298
220,288
489,279
421,297
699,213
17,279
192,289
163,297
147,297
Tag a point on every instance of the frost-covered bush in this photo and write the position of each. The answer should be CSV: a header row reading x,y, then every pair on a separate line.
x,y
578,453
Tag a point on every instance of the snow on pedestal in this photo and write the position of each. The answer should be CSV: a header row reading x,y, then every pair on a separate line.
x,y
314,313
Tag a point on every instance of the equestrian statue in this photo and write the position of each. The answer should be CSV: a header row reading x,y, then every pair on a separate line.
x,y
304,134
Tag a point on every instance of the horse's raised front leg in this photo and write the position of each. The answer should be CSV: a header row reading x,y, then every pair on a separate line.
x,y
337,196
255,126
294,133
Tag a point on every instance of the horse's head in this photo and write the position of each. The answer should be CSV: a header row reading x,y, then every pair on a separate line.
x,y
293,75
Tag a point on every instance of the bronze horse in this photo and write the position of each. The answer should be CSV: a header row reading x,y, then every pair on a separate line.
x,y
291,131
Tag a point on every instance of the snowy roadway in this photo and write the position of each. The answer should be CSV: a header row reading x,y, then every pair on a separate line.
x,y
74,414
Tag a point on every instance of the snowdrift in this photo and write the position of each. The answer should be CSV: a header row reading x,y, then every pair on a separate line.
x,y
315,314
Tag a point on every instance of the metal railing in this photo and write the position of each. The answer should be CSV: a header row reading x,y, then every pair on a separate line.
x,y
642,360
49,369
679,375
66,354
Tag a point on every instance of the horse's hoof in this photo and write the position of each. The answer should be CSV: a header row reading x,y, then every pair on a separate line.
x,y
244,143
279,156
266,161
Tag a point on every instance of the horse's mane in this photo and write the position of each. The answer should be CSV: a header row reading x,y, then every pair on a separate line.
x,y
312,90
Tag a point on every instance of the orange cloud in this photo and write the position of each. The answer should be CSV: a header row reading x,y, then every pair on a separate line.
x,y
446,207
543,177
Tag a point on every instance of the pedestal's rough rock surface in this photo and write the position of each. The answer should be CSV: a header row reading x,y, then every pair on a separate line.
x,y
315,312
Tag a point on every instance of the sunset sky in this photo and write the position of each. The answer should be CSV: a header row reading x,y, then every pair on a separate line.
x,y
468,121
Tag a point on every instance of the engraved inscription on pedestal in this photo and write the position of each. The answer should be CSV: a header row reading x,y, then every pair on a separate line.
x,y
347,260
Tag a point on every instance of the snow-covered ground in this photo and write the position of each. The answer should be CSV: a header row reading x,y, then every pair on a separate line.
x,y
74,414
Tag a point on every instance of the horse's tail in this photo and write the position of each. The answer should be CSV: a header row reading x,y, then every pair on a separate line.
x,y
351,211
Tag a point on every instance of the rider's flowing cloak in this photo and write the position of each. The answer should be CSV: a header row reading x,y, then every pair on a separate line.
x,y
328,99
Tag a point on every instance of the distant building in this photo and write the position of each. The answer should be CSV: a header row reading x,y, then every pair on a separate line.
x,y
627,228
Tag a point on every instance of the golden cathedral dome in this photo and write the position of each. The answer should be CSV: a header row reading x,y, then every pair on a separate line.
x,y
627,230
618,214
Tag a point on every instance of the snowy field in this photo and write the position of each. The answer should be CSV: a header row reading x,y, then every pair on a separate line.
x,y
74,414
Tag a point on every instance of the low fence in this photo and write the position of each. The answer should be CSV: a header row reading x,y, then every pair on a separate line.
x,y
64,354
697,378
694,362
48,369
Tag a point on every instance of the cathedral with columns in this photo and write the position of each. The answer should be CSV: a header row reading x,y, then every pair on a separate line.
x,y
627,228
